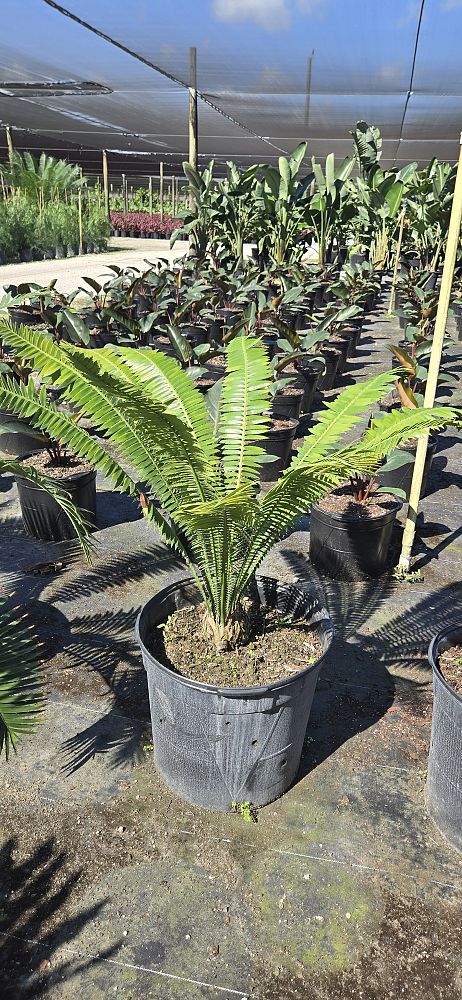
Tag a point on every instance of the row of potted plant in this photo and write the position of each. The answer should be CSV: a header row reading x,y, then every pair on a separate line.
x,y
143,224
26,234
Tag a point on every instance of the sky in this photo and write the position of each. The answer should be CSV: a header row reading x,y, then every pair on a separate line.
x,y
252,64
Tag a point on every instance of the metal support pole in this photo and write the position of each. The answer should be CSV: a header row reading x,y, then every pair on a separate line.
x,y
192,113
161,190
9,142
106,186
434,365
150,195
398,251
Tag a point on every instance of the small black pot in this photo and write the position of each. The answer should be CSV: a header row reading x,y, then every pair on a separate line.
x,y
331,359
195,334
286,404
358,258
278,441
401,478
342,345
444,782
43,517
214,746
15,443
348,549
309,371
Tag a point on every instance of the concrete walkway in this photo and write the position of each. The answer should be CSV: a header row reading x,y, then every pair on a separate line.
x,y
124,252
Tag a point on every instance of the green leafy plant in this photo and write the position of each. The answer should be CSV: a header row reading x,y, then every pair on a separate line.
x,y
21,693
200,475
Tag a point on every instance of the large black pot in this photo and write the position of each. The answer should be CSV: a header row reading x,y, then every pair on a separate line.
x,y
278,442
444,782
342,345
214,746
15,442
349,549
44,518
401,478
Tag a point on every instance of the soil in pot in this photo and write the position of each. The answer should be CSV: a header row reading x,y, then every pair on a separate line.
x,y
269,651
349,540
42,516
450,663
278,442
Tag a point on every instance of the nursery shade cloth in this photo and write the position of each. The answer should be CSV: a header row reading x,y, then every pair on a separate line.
x,y
270,73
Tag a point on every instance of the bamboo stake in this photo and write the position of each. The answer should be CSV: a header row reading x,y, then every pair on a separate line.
x,y
80,223
150,195
398,251
9,142
106,186
193,125
434,365
161,189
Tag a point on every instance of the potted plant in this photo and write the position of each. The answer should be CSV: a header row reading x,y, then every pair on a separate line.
x,y
444,781
230,726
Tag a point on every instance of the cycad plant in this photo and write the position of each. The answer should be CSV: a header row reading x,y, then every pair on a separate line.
x,y
21,693
197,467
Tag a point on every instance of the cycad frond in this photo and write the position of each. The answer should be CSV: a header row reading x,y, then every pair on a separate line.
x,y
341,415
244,399
20,686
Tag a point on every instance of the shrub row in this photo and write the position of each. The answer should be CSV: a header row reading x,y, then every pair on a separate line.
x,y
143,224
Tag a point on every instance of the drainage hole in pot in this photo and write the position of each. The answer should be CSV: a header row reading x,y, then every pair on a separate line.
x,y
283,762
253,743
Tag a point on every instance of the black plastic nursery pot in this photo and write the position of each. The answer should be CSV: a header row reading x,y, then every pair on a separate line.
x,y
444,781
43,517
214,746
350,549
287,403
342,345
14,442
401,478
309,372
195,334
331,359
278,442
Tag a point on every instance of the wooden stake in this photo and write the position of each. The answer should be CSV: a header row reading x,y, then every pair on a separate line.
x,y
161,189
172,195
9,142
80,223
150,195
434,365
106,186
125,192
193,124
397,256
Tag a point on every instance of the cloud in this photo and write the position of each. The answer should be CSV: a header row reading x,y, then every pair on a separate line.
x,y
410,14
451,4
273,15
270,14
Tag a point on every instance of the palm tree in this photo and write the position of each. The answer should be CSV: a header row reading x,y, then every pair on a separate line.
x,y
197,466
43,180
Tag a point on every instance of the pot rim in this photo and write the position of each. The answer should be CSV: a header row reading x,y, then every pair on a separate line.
x,y
444,633
231,692
334,516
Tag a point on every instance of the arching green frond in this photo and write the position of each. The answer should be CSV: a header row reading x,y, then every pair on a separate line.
x,y
341,415
244,399
21,694
395,428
